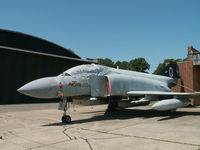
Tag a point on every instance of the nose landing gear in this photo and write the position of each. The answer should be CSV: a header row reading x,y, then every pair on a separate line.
x,y
64,105
66,119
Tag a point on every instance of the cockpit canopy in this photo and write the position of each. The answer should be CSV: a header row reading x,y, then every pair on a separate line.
x,y
86,70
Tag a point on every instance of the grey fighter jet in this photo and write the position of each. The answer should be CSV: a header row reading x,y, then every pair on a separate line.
x,y
94,82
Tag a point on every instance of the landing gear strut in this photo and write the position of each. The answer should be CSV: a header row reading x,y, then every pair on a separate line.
x,y
64,105
112,105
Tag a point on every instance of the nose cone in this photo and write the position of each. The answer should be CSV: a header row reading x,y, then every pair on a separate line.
x,y
41,88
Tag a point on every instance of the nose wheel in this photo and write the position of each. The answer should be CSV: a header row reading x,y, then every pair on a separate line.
x,y
64,105
66,119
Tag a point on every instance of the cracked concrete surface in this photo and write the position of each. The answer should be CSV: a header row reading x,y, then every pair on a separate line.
x,y
87,141
38,127
64,132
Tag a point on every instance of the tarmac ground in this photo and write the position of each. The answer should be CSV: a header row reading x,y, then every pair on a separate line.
x,y
39,127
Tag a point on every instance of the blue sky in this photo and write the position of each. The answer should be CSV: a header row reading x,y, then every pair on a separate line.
x,y
117,29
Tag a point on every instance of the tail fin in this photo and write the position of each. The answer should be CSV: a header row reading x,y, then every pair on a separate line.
x,y
171,70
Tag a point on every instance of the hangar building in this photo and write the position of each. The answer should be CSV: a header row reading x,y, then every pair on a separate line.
x,y
24,58
190,74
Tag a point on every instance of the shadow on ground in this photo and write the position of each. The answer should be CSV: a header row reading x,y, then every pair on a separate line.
x,y
124,114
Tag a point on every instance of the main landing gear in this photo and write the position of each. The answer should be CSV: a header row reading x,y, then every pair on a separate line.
x,y
112,105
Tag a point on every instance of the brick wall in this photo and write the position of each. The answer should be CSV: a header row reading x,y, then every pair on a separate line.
x,y
196,77
190,77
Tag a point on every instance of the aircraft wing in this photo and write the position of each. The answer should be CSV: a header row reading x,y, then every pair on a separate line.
x,y
159,93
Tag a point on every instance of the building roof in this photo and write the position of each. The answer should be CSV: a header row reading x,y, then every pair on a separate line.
x,y
31,43
45,54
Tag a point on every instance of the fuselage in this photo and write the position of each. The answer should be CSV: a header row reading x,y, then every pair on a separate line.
x,y
92,79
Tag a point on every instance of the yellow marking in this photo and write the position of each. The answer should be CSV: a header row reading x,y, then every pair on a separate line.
x,y
74,83
78,84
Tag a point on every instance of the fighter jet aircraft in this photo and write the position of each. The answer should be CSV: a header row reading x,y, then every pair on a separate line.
x,y
94,82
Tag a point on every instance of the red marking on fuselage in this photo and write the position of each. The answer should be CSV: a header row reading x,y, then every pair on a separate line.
x,y
60,86
108,85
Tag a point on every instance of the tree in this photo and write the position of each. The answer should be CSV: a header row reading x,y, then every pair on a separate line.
x,y
162,65
106,62
139,64
122,65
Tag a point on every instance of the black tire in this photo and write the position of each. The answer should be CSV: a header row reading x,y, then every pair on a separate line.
x,y
66,119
